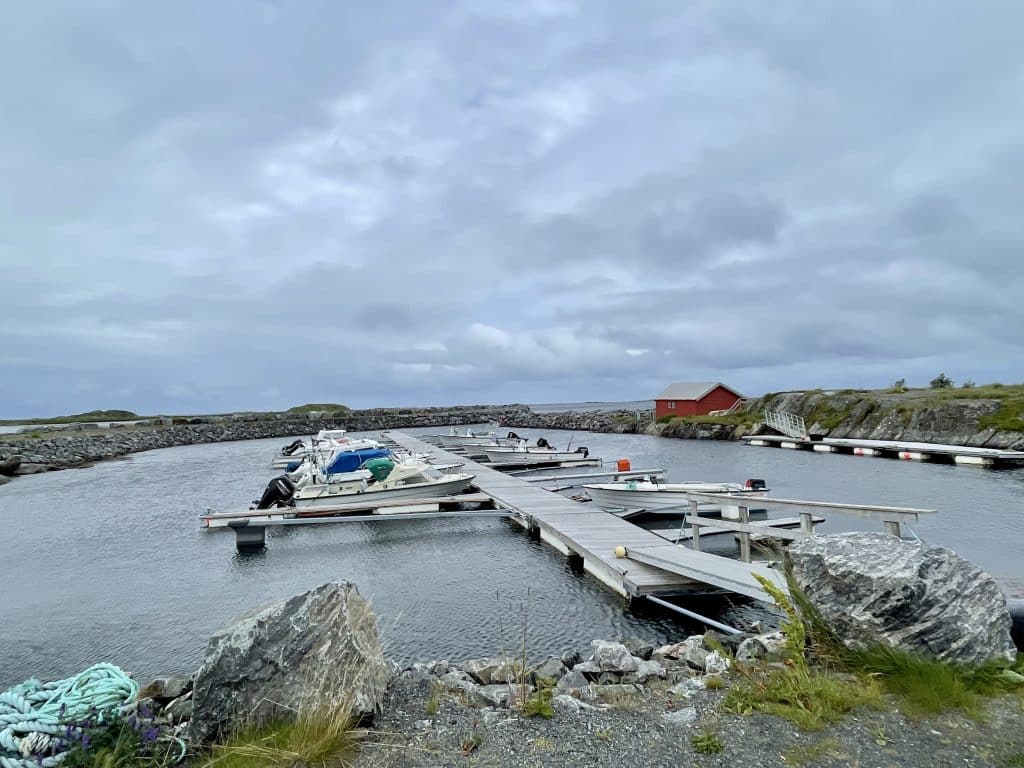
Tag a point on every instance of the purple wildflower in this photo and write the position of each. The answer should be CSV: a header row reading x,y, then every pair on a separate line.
x,y
150,735
85,741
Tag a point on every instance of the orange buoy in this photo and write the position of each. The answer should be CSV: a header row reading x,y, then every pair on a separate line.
x,y
623,465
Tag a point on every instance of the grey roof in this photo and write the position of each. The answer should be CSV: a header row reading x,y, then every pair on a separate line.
x,y
692,390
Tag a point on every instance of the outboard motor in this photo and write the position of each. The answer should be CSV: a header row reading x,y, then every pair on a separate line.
x,y
289,450
512,436
543,443
279,493
1016,608
755,484
584,450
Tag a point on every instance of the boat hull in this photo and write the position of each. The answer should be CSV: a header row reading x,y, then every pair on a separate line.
x,y
623,498
531,457
370,497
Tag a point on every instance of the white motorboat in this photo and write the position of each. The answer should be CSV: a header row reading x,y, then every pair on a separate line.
x,y
456,439
383,480
521,453
650,494
321,446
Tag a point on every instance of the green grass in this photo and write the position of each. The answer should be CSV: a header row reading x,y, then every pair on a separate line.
x,y
318,407
124,743
113,415
539,704
806,753
928,686
433,702
1015,760
1008,417
809,697
707,743
736,419
324,740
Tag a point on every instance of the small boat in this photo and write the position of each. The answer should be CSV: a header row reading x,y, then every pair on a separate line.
x,y
650,494
322,445
455,439
383,480
521,453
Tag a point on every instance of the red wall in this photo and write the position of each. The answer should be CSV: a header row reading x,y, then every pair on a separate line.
x,y
717,399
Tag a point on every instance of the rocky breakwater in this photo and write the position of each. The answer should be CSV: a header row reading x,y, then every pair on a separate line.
x,y
697,430
25,454
620,422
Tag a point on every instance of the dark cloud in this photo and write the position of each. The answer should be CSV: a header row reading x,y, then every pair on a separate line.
x,y
215,206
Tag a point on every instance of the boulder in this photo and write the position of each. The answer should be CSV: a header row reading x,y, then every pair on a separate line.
x,y
638,648
482,670
179,710
572,682
4,480
571,658
31,469
457,680
552,669
766,647
10,465
716,663
567,705
614,657
680,717
318,650
164,689
873,588
645,671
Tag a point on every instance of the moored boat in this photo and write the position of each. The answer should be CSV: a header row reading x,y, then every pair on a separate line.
x,y
651,494
456,439
383,480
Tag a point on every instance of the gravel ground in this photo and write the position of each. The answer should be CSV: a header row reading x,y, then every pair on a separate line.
x,y
633,733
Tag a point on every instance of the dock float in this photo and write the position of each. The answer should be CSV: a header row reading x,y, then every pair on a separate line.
x,y
590,536
896,449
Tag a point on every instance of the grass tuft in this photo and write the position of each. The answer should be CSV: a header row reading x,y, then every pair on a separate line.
x,y
323,740
707,743
539,704
810,698
806,753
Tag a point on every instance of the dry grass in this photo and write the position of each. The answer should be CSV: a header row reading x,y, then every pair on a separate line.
x,y
323,740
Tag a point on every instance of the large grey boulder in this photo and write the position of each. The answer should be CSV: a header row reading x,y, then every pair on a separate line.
x,y
10,465
874,588
614,657
312,652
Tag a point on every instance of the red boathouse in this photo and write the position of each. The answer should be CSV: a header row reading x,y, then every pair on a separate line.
x,y
695,398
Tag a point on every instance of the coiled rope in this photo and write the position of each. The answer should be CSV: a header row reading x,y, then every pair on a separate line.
x,y
33,713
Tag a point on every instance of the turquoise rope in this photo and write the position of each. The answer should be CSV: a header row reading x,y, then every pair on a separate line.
x,y
32,712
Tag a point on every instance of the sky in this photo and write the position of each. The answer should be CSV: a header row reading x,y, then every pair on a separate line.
x,y
250,204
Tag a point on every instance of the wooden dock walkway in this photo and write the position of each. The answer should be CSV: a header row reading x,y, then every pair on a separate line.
x,y
654,566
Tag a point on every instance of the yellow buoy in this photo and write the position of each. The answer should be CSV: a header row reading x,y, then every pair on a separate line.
x,y
620,551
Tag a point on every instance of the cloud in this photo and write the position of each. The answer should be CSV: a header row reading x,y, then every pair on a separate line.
x,y
220,206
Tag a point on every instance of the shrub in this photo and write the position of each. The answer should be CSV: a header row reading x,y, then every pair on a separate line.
x,y
707,743
942,381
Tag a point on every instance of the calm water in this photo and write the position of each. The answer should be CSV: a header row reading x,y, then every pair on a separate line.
x,y
108,563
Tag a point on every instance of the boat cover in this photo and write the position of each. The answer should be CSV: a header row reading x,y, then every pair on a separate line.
x,y
350,461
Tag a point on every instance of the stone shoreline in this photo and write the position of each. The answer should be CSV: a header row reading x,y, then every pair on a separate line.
x,y
80,447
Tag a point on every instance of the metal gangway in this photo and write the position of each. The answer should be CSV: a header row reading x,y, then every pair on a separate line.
x,y
786,423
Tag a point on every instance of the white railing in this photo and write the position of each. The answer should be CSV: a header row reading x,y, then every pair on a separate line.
x,y
786,423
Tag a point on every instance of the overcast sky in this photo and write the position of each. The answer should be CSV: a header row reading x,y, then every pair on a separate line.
x,y
210,206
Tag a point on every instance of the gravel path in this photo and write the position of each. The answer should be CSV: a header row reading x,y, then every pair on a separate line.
x,y
633,732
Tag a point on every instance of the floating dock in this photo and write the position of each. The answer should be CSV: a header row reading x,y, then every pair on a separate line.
x,y
895,449
590,536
